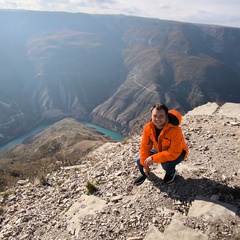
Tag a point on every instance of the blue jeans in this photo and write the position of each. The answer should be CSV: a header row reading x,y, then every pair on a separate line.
x,y
169,166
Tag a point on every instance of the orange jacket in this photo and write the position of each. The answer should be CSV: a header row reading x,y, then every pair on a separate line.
x,y
170,143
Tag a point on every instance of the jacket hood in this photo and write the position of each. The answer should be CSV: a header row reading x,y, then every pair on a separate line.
x,y
175,117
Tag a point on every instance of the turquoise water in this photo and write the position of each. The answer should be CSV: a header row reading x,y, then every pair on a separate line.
x,y
25,136
19,140
113,135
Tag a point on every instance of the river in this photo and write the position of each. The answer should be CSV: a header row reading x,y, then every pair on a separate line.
x,y
19,140
111,134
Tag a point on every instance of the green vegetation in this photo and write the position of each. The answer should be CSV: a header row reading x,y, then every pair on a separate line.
x,y
199,172
1,211
90,188
8,193
59,183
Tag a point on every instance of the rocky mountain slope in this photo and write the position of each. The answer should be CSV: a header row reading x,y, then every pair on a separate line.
x,y
203,202
109,69
61,144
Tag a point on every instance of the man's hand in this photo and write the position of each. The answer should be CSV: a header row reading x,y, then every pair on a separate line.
x,y
149,161
146,171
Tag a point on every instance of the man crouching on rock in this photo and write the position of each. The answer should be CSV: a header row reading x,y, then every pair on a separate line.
x,y
162,142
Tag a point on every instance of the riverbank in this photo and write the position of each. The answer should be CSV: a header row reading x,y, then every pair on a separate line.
x,y
24,138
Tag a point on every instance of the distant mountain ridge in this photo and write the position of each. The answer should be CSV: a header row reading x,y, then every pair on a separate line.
x,y
109,69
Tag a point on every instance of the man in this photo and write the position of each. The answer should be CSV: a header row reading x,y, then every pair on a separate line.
x,y
162,142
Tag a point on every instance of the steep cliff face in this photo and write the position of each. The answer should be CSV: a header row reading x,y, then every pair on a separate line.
x,y
182,65
54,65
109,69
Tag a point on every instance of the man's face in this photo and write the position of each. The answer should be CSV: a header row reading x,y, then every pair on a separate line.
x,y
159,118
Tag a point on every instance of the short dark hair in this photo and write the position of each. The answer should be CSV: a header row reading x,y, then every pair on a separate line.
x,y
160,106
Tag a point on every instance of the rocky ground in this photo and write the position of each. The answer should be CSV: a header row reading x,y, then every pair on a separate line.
x,y
203,202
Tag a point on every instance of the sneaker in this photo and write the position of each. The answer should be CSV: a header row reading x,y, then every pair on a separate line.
x,y
139,180
169,178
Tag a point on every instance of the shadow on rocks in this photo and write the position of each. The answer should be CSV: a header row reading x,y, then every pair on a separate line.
x,y
186,190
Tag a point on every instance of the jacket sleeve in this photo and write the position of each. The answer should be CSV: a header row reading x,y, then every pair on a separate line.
x,y
174,147
146,146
